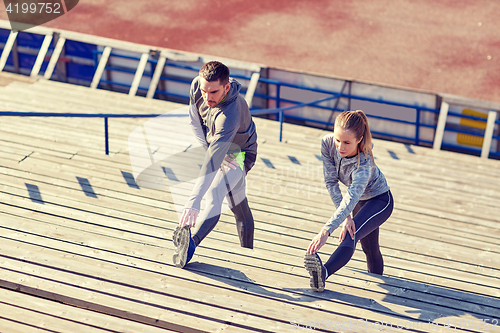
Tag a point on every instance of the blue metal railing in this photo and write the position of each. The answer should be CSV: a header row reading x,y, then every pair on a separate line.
x,y
82,115
416,139
282,116
278,99
105,116
280,111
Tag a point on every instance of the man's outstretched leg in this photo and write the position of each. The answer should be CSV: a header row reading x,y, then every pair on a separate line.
x,y
244,223
184,241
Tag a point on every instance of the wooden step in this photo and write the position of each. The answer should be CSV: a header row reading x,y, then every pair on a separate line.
x,y
97,257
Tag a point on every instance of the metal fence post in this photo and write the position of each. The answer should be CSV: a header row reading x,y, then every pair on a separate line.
x,y
488,134
417,127
280,115
443,115
106,138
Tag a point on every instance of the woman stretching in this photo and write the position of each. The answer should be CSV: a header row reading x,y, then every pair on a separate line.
x,y
348,158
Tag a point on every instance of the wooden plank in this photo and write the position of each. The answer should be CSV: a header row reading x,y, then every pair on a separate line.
x,y
34,130
276,295
304,242
447,183
30,285
15,326
20,145
156,76
488,134
54,58
7,49
230,231
100,68
88,126
122,181
53,260
41,55
435,248
326,215
56,138
433,157
84,95
7,78
254,80
38,314
13,156
45,147
138,74
436,225
30,102
116,287
259,204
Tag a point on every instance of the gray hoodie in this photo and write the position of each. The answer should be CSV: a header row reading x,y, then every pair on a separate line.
x,y
363,182
227,128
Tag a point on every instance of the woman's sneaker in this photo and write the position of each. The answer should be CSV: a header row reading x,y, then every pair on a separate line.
x,y
316,270
184,246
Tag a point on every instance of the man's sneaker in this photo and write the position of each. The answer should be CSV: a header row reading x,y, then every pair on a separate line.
x,y
316,270
184,246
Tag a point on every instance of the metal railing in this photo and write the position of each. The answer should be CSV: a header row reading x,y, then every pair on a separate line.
x,y
477,135
280,112
81,115
276,97
416,139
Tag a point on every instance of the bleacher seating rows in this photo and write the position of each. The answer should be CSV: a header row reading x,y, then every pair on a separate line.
x,y
85,249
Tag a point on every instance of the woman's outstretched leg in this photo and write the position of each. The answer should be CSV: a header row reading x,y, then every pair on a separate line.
x,y
368,216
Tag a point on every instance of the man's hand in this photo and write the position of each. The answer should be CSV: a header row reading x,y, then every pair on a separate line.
x,y
188,217
230,163
318,241
347,226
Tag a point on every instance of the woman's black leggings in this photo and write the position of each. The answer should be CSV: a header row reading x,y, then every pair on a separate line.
x,y
368,216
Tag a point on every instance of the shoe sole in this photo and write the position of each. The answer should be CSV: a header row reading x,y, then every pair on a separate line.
x,y
313,266
181,243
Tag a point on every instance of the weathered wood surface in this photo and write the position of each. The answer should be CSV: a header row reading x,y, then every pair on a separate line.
x,y
86,249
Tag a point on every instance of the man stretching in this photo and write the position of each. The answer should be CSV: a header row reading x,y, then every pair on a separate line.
x,y
221,122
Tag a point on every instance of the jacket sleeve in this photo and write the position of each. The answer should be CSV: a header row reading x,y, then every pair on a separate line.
x,y
330,171
360,179
226,126
194,117
196,125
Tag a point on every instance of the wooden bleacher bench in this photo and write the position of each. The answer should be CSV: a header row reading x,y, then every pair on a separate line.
x,y
75,262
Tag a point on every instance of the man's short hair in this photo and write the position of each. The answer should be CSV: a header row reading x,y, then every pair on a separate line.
x,y
215,70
